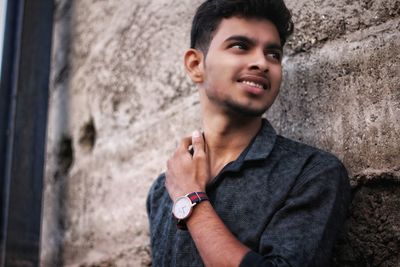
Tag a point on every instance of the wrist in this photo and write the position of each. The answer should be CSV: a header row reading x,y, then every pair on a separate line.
x,y
184,206
197,216
186,191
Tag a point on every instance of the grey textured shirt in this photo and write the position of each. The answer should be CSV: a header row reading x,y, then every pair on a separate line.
x,y
284,200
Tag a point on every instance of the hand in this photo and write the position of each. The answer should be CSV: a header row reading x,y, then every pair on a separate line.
x,y
187,173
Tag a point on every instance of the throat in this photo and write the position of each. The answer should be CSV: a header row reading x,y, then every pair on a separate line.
x,y
217,164
215,170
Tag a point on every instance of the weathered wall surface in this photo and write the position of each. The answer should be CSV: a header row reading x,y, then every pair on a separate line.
x,y
120,101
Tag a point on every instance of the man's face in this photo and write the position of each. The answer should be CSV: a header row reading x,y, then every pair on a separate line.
x,y
242,69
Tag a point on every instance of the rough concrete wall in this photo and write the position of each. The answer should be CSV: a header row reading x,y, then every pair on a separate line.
x,y
120,101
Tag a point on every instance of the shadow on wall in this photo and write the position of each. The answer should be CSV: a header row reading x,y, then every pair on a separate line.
x,y
371,236
60,143
60,154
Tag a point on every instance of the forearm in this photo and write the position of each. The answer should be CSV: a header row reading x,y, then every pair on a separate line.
x,y
216,244
187,173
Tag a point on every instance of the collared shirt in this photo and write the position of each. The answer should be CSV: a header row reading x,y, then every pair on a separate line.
x,y
284,200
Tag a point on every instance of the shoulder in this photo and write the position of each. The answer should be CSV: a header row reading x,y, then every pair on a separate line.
x,y
156,193
316,164
314,156
158,184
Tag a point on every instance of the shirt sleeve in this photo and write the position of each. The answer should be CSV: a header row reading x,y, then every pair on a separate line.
x,y
254,259
303,231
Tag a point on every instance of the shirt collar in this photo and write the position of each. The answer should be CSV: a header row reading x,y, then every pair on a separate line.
x,y
259,148
262,144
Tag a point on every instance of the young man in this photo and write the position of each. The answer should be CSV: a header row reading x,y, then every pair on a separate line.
x,y
237,194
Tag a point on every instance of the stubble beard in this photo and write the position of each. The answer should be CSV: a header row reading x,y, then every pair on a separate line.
x,y
242,110
234,108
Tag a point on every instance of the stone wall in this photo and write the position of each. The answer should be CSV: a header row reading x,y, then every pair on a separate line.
x,y
120,100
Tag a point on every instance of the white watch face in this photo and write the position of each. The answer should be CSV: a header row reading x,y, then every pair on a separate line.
x,y
182,208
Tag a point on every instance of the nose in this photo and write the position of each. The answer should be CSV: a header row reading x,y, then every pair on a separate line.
x,y
259,62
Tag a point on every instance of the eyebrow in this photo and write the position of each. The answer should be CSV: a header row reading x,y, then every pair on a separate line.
x,y
252,41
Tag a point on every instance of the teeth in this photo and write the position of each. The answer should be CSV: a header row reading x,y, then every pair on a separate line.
x,y
253,84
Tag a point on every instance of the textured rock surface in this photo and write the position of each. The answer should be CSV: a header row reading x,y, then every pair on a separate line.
x,y
347,94
121,100
321,21
372,233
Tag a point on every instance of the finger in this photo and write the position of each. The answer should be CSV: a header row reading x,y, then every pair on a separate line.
x,y
185,143
197,142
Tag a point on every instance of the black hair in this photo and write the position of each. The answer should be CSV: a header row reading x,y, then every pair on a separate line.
x,y
209,15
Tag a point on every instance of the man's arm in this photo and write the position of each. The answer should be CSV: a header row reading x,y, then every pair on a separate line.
x,y
216,244
185,174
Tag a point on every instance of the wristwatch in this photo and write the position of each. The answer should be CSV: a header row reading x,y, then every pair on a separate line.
x,y
183,206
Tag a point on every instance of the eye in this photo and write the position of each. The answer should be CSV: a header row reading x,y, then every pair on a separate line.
x,y
239,46
275,55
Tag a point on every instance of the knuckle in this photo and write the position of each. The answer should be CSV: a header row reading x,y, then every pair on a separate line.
x,y
200,155
196,140
183,141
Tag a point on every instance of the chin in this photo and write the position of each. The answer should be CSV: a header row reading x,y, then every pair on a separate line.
x,y
245,110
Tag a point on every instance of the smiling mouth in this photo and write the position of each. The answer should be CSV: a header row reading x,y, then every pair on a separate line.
x,y
254,84
255,81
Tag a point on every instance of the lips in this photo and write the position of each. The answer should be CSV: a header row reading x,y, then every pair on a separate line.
x,y
254,84
256,81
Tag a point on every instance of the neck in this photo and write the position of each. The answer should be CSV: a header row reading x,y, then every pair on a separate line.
x,y
226,137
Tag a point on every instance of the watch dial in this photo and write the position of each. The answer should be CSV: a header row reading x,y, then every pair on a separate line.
x,y
182,207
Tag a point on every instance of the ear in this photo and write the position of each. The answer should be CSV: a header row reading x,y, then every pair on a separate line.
x,y
194,65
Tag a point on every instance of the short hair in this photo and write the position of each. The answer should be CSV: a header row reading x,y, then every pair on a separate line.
x,y
209,15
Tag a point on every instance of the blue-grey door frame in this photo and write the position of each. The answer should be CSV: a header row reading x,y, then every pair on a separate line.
x,y
23,118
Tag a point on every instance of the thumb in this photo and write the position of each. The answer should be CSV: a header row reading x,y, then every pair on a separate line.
x,y
197,142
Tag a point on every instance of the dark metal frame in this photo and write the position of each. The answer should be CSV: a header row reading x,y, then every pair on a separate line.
x,y
23,122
